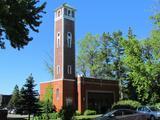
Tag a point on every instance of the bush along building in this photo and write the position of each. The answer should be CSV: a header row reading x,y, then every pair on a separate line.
x,y
68,89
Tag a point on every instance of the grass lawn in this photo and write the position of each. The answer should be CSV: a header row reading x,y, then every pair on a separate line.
x,y
86,117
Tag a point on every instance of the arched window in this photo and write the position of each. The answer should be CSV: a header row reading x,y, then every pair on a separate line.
x,y
69,39
58,69
69,70
58,13
58,39
57,94
65,11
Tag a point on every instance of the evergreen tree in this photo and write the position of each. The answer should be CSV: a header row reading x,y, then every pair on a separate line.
x,y
21,100
14,102
17,17
29,97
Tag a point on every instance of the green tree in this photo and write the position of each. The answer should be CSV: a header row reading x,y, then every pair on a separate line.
x,y
137,74
29,97
156,16
117,54
49,64
127,83
21,100
48,101
87,57
17,18
104,58
14,102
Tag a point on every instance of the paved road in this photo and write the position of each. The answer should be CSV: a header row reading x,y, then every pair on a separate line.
x,y
17,116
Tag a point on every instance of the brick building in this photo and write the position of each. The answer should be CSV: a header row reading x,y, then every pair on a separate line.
x,y
83,93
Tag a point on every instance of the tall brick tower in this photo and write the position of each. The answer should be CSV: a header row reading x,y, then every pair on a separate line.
x,y
64,56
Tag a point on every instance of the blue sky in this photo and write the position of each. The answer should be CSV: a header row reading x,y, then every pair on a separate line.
x,y
95,16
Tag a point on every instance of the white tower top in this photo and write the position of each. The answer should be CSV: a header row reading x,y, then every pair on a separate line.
x,y
65,11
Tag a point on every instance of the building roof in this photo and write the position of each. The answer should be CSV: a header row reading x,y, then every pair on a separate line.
x,y
66,6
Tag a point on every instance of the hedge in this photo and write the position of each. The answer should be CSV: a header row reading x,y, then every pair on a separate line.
x,y
126,104
90,112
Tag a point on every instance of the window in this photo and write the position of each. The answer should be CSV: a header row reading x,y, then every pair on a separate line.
x,y
57,94
58,39
68,101
73,14
69,12
59,13
58,69
69,70
69,39
65,11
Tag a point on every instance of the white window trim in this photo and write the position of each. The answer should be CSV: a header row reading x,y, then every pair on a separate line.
x,y
69,69
68,12
58,39
59,11
58,69
69,40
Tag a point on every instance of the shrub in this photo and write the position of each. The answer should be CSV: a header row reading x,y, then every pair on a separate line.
x,y
89,112
67,112
77,113
43,116
157,105
126,104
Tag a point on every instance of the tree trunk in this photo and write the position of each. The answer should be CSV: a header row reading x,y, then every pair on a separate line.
x,y
29,116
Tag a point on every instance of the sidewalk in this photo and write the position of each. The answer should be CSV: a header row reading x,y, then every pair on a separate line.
x,y
10,116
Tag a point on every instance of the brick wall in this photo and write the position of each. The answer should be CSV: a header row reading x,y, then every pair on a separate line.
x,y
85,85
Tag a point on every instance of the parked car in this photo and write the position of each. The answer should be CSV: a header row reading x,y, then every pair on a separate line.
x,y
122,114
152,113
12,111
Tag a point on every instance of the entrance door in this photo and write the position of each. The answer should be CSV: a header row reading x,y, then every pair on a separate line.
x,y
101,102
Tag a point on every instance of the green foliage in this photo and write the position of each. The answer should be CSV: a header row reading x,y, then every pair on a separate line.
x,y
134,63
52,116
88,53
88,117
48,96
16,19
47,103
77,113
14,102
90,112
29,98
100,56
126,104
157,105
49,64
67,112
